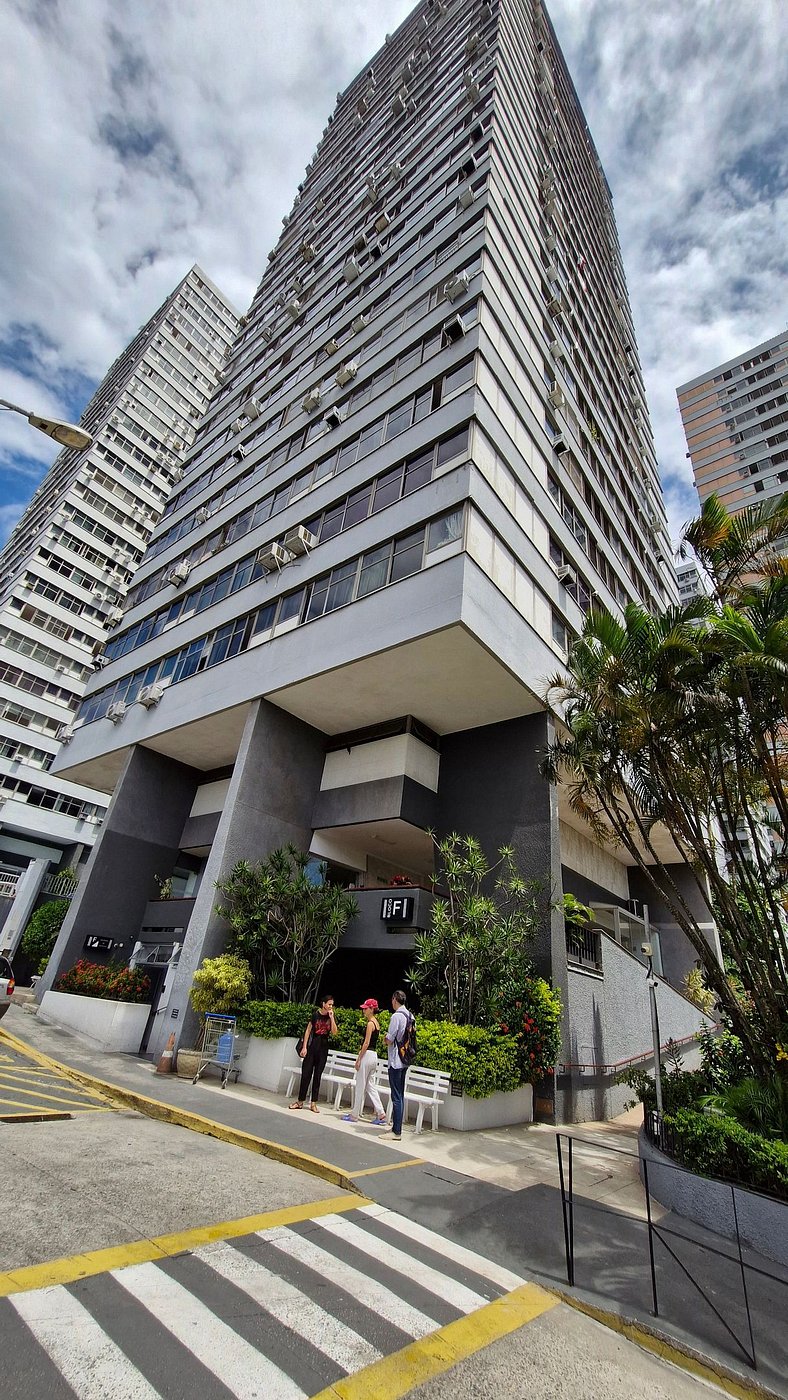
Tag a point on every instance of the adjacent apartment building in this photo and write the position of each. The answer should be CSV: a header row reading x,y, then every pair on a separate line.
x,y
430,452
65,572
735,419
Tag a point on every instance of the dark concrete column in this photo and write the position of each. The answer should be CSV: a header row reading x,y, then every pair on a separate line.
x,y
272,792
140,838
490,787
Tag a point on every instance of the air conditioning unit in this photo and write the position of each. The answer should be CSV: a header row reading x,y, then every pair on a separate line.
x,y
275,556
252,409
220,376
346,372
114,616
240,452
294,309
116,712
395,170
331,346
551,242
351,270
372,192
551,272
203,514
476,132
334,417
243,320
466,197
550,137
238,425
557,397
268,332
567,576
382,222
150,695
360,242
311,401
177,473
557,350
474,42
401,103
473,93
272,255
300,540
555,307
359,323
454,329
67,733
457,285
560,445
178,573
308,252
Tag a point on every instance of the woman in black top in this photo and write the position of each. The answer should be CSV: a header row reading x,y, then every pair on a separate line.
x,y
314,1052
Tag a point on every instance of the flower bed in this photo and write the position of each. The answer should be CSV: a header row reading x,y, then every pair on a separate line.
x,y
108,981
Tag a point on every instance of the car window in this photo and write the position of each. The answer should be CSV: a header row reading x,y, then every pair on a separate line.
x,y
5,968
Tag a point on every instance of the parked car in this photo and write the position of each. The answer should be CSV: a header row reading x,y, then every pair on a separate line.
x,y
6,985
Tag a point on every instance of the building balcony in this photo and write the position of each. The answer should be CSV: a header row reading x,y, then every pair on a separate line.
x,y
388,918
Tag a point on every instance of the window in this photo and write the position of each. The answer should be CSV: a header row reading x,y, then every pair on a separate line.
x,y
341,587
387,489
445,529
418,471
374,570
357,507
290,606
458,379
408,553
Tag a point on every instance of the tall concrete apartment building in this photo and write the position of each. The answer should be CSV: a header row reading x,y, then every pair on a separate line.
x,y
735,420
430,452
65,571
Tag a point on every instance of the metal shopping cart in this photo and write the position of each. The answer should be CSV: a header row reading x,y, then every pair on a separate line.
x,y
218,1047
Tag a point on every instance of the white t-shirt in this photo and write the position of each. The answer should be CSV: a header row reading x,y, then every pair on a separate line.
x,y
397,1028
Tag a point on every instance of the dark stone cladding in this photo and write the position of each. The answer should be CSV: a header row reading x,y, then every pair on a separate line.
x,y
377,800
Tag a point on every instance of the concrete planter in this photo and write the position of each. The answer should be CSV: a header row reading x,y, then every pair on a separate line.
x,y
465,1114
763,1221
112,1025
187,1063
264,1061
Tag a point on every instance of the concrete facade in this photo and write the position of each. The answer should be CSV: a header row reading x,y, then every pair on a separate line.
x,y
430,451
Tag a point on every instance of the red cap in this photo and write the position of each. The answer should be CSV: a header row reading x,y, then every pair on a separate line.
x,y
369,1005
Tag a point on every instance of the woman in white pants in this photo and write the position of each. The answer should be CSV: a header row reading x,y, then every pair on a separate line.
x,y
366,1063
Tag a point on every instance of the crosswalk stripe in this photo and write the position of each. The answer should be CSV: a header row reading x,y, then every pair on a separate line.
x,y
363,1287
290,1306
467,1258
246,1372
67,1097
460,1297
91,1364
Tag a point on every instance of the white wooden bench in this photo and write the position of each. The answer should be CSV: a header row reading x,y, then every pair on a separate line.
x,y
424,1088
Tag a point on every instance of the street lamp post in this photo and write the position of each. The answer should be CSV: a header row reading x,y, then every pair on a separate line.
x,y
67,434
646,949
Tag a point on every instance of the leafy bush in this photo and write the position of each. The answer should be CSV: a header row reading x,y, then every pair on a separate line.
x,y
695,988
761,1105
483,1061
723,1059
715,1146
108,981
529,1010
221,984
41,932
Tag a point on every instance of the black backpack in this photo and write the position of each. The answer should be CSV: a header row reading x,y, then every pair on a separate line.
x,y
407,1046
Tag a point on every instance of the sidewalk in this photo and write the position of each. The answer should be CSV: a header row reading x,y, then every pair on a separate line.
x,y
496,1192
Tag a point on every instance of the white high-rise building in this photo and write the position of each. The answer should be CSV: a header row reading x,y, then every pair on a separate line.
x,y
66,568
431,452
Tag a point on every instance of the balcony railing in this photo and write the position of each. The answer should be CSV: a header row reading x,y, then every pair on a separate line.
x,y
583,948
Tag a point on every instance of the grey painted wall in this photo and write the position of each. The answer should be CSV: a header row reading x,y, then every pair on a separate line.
x,y
269,803
610,1021
375,801
140,838
368,930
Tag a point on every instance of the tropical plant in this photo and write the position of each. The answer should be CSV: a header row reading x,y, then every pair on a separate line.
x,y
675,723
41,931
694,987
480,934
530,1010
221,984
283,924
760,1105
107,981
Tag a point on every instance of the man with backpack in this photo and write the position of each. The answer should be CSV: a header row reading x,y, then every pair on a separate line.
x,y
401,1042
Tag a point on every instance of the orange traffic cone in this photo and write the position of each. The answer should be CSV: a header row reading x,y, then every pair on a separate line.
x,y
165,1063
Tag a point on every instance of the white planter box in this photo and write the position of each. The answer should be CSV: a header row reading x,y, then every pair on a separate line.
x,y
264,1062
465,1114
112,1025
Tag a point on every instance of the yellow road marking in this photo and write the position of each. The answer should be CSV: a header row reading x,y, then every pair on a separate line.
x,y
389,1167
38,1094
31,1115
196,1122
397,1375
100,1261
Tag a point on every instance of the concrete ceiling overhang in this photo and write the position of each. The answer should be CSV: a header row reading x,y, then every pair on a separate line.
x,y
664,846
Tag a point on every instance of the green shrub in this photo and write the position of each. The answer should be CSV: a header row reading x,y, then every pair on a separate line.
x,y
715,1146
108,981
529,1010
483,1061
41,932
723,1058
221,984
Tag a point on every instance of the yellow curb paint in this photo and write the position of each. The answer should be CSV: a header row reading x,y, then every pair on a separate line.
x,y
397,1375
389,1167
32,1115
40,1096
686,1360
100,1261
185,1118
22,1075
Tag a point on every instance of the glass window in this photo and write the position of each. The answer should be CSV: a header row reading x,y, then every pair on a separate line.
x,y
357,507
332,523
371,438
388,489
325,467
458,378
261,512
408,554
290,605
374,570
347,455
281,497
399,419
317,598
221,642
418,471
341,587
455,446
264,619
423,405
445,529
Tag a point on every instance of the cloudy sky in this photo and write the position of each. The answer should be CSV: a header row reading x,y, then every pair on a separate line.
x,y
141,138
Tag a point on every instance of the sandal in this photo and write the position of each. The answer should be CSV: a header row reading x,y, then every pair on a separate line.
x,y
314,1108
295,1105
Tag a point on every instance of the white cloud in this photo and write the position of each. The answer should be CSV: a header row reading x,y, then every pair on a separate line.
x,y
141,138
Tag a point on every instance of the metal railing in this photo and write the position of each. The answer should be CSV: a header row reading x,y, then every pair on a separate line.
x,y
64,886
584,947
